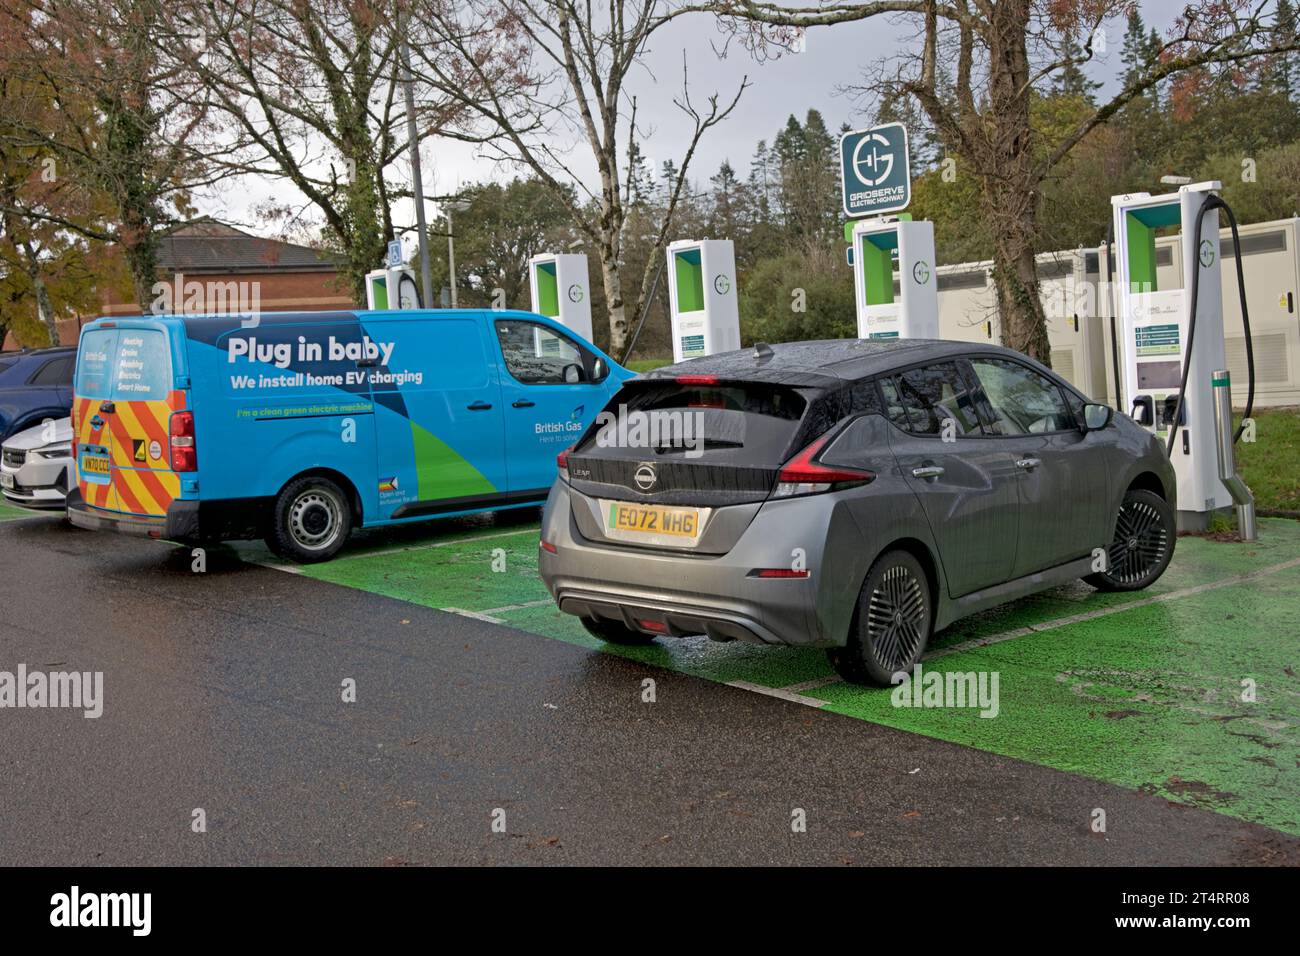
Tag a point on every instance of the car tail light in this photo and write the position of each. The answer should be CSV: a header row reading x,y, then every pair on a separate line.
x,y
697,380
804,475
777,573
658,627
562,464
184,455
548,547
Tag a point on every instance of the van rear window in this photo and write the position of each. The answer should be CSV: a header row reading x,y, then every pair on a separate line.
x,y
142,368
94,360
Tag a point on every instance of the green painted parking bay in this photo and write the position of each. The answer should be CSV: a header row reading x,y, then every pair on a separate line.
x,y
1143,690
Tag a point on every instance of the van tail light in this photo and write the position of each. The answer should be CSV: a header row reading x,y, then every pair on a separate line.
x,y
697,380
562,463
184,455
804,475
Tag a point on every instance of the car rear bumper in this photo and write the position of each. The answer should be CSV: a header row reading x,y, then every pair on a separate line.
x,y
684,593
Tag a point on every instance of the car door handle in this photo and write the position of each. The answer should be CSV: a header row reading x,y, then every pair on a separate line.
x,y
927,471
1028,464
479,406
107,408
522,403
368,363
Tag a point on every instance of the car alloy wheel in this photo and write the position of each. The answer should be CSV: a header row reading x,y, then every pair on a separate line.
x,y
896,618
1141,540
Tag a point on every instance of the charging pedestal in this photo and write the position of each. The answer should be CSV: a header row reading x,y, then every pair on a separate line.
x,y
381,283
1154,324
914,312
702,297
561,291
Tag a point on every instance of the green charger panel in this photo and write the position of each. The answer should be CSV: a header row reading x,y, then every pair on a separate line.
x,y
878,267
1141,225
690,280
548,290
379,288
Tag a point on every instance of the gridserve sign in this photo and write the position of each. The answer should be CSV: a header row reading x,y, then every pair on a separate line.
x,y
874,170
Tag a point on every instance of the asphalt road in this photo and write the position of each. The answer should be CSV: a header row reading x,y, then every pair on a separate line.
x,y
223,691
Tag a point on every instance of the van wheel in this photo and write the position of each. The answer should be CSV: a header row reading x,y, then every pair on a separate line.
x,y
612,632
1145,532
891,625
311,521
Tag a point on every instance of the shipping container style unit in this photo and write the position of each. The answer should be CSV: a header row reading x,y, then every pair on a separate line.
x,y
1078,307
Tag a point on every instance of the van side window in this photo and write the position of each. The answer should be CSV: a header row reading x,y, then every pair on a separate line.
x,y
925,400
536,354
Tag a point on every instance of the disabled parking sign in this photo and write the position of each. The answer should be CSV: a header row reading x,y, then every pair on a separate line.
x,y
875,172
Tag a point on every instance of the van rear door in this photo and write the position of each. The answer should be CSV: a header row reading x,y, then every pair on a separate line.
x,y
92,389
139,414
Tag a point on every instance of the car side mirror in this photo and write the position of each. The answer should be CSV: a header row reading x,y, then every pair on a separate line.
x,y
572,374
1096,416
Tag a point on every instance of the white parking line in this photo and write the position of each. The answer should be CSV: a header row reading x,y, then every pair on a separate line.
x,y
781,692
1107,611
515,607
792,691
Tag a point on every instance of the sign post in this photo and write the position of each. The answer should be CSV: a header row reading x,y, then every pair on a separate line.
x,y
875,175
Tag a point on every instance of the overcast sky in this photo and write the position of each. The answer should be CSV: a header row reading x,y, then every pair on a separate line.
x,y
791,84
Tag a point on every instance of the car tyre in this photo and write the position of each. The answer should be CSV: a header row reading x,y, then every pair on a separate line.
x,y
1142,546
311,520
891,624
615,632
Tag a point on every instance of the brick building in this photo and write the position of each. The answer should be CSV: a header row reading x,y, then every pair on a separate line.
x,y
209,266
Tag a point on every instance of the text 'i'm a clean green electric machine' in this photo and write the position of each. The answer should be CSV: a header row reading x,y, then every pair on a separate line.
x,y
1174,389
702,297
878,246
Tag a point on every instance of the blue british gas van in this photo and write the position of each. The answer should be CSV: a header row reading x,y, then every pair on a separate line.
x,y
298,427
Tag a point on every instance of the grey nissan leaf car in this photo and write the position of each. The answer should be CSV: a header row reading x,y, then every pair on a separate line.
x,y
856,495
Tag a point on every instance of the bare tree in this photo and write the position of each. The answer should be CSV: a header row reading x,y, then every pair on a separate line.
x,y
314,87
127,140
574,88
981,64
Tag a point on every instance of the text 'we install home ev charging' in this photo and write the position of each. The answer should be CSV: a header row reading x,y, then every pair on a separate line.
x,y
561,290
911,310
702,297
875,176
1155,327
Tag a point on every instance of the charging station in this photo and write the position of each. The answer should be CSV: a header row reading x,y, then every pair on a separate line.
x,y
702,297
380,285
561,290
878,247
1168,390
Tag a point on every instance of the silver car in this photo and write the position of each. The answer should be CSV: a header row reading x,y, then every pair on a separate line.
x,y
854,495
36,465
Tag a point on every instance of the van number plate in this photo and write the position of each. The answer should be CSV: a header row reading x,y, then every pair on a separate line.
x,y
94,465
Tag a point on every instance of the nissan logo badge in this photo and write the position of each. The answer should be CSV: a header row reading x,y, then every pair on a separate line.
x,y
645,476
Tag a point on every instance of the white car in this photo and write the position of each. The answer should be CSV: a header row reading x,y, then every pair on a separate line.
x,y
36,465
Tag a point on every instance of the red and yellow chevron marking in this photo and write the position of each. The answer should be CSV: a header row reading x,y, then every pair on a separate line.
x,y
140,483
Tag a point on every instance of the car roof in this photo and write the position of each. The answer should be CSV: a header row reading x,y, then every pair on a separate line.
x,y
35,353
823,363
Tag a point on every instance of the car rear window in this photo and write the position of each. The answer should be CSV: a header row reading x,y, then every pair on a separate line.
x,y
736,423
